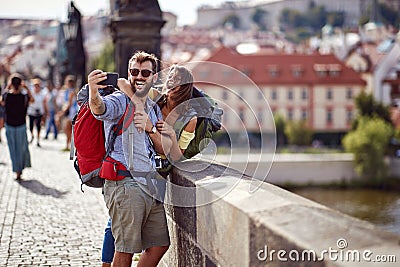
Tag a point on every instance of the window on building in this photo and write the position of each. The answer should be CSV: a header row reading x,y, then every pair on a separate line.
x,y
349,93
241,115
334,70
304,94
329,116
273,71
329,94
227,73
260,94
274,94
225,118
203,74
321,70
224,94
304,115
290,115
290,94
349,116
260,116
297,71
241,95
247,71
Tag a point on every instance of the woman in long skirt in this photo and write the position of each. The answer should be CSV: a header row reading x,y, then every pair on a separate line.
x,y
15,101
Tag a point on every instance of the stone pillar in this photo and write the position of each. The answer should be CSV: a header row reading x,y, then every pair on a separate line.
x,y
135,25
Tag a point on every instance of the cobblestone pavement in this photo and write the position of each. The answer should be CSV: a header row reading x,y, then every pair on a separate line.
x,y
45,220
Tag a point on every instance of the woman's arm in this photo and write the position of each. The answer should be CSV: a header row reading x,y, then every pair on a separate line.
x,y
178,146
30,96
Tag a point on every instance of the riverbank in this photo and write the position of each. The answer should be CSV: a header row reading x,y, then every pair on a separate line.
x,y
388,184
294,170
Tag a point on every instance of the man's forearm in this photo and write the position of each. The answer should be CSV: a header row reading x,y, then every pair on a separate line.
x,y
96,104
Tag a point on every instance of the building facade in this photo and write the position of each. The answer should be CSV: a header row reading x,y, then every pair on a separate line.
x,y
253,88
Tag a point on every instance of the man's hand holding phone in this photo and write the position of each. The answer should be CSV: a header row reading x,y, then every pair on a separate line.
x,y
112,79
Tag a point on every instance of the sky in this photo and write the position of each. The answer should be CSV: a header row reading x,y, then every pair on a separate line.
x,y
58,9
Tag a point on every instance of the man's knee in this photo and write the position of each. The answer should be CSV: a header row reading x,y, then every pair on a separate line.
x,y
157,250
122,258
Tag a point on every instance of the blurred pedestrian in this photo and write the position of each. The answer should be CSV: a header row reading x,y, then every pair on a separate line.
x,y
70,107
1,113
37,110
52,109
4,74
16,101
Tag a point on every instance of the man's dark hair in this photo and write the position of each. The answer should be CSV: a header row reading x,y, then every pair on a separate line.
x,y
141,56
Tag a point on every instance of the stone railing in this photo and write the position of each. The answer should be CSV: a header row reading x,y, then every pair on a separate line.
x,y
271,225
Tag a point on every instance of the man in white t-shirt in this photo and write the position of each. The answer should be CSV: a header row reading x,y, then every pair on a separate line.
x,y
37,110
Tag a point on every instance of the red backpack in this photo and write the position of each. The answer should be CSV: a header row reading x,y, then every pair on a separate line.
x,y
89,139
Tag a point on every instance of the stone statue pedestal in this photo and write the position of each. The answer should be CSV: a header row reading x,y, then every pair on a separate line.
x,y
135,25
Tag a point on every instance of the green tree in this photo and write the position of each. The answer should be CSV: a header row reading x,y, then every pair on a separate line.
x,y
389,15
280,129
258,18
368,143
336,19
292,18
105,60
316,17
363,20
233,20
298,133
367,106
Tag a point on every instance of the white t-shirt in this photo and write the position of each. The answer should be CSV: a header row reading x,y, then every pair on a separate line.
x,y
36,108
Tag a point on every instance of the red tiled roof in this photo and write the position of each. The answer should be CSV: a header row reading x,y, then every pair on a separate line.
x,y
279,69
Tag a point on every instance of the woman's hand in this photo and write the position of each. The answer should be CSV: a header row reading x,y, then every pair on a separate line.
x,y
165,128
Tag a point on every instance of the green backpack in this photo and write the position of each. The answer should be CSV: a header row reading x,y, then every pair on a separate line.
x,y
209,117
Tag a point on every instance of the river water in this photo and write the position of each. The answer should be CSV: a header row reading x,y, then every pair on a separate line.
x,y
381,208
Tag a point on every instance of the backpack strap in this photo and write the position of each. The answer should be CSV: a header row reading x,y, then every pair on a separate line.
x,y
121,126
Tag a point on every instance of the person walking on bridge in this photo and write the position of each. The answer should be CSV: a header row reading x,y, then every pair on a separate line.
x,y
16,101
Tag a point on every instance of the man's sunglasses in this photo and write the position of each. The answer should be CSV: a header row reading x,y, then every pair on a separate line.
x,y
145,73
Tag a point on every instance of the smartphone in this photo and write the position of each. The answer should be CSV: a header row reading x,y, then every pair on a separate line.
x,y
112,79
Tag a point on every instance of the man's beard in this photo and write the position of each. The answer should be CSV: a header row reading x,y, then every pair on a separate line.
x,y
144,90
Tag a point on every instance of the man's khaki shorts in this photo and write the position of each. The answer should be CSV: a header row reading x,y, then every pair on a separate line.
x,y
138,220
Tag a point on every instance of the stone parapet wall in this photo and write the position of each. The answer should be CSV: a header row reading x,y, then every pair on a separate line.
x,y
237,227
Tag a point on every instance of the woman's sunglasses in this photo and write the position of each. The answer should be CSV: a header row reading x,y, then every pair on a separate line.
x,y
145,73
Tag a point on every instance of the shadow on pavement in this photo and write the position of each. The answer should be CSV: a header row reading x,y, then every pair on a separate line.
x,y
38,188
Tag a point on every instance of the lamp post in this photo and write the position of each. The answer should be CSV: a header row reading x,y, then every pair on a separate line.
x,y
73,39
70,30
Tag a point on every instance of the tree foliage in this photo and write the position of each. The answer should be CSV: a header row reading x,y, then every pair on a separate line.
x,y
105,60
258,18
298,133
367,106
314,18
389,15
280,124
368,143
233,20
336,19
